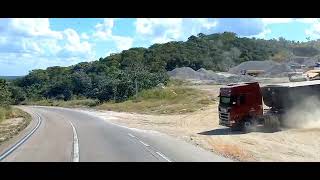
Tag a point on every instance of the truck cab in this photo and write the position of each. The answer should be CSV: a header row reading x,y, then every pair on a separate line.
x,y
239,103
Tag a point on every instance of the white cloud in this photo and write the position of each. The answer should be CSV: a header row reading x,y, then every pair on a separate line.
x,y
32,46
103,30
122,42
143,26
73,46
261,35
161,30
313,31
20,64
307,20
268,21
148,26
39,27
71,36
84,36
34,37
205,22
289,20
276,20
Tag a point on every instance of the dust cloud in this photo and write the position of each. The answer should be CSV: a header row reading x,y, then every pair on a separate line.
x,y
306,114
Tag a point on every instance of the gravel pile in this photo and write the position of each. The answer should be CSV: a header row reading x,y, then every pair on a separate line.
x,y
253,65
269,67
271,70
302,61
279,70
208,75
184,73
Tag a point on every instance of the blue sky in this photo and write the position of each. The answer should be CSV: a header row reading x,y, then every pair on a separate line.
x,y
27,44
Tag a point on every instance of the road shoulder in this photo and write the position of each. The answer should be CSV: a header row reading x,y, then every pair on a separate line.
x,y
16,138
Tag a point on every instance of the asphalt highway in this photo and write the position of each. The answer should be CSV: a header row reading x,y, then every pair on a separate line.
x,y
69,135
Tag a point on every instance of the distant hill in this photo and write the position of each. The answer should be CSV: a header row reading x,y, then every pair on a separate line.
x,y
118,76
10,77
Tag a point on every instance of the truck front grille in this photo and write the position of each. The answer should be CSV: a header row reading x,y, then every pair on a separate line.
x,y
223,118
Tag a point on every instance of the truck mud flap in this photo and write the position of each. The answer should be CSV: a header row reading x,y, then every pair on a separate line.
x,y
271,123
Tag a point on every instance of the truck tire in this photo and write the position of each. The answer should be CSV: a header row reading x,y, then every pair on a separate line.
x,y
250,125
247,126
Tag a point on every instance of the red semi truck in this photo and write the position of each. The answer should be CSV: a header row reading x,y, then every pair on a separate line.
x,y
241,105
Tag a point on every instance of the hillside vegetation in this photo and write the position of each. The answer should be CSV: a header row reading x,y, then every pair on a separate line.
x,y
170,100
120,76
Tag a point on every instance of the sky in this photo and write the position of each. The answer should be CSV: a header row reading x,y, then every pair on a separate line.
x,y
37,43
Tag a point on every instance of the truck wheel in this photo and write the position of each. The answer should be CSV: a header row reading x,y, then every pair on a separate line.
x,y
247,126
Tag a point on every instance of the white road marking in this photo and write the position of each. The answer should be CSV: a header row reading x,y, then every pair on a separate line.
x,y
76,155
164,157
131,135
144,143
152,149
14,147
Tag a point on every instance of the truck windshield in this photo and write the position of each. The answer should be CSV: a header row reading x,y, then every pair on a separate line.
x,y
225,100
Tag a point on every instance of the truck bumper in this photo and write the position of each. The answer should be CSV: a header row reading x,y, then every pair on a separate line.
x,y
227,123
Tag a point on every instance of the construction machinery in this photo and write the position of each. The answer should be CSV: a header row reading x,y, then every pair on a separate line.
x,y
306,74
309,75
241,105
252,72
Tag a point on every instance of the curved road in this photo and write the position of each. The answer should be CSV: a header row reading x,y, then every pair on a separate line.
x,y
64,135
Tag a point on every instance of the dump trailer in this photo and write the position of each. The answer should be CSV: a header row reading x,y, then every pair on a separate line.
x,y
241,105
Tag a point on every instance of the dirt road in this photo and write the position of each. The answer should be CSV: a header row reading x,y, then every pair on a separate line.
x,y
201,128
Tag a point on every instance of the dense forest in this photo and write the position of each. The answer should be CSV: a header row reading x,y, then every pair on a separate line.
x,y
118,76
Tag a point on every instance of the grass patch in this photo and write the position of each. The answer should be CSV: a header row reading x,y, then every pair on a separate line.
x,y
6,112
178,82
16,112
61,103
9,112
170,100
175,98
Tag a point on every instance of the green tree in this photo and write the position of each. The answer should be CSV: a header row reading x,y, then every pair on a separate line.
x,y
5,94
17,94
